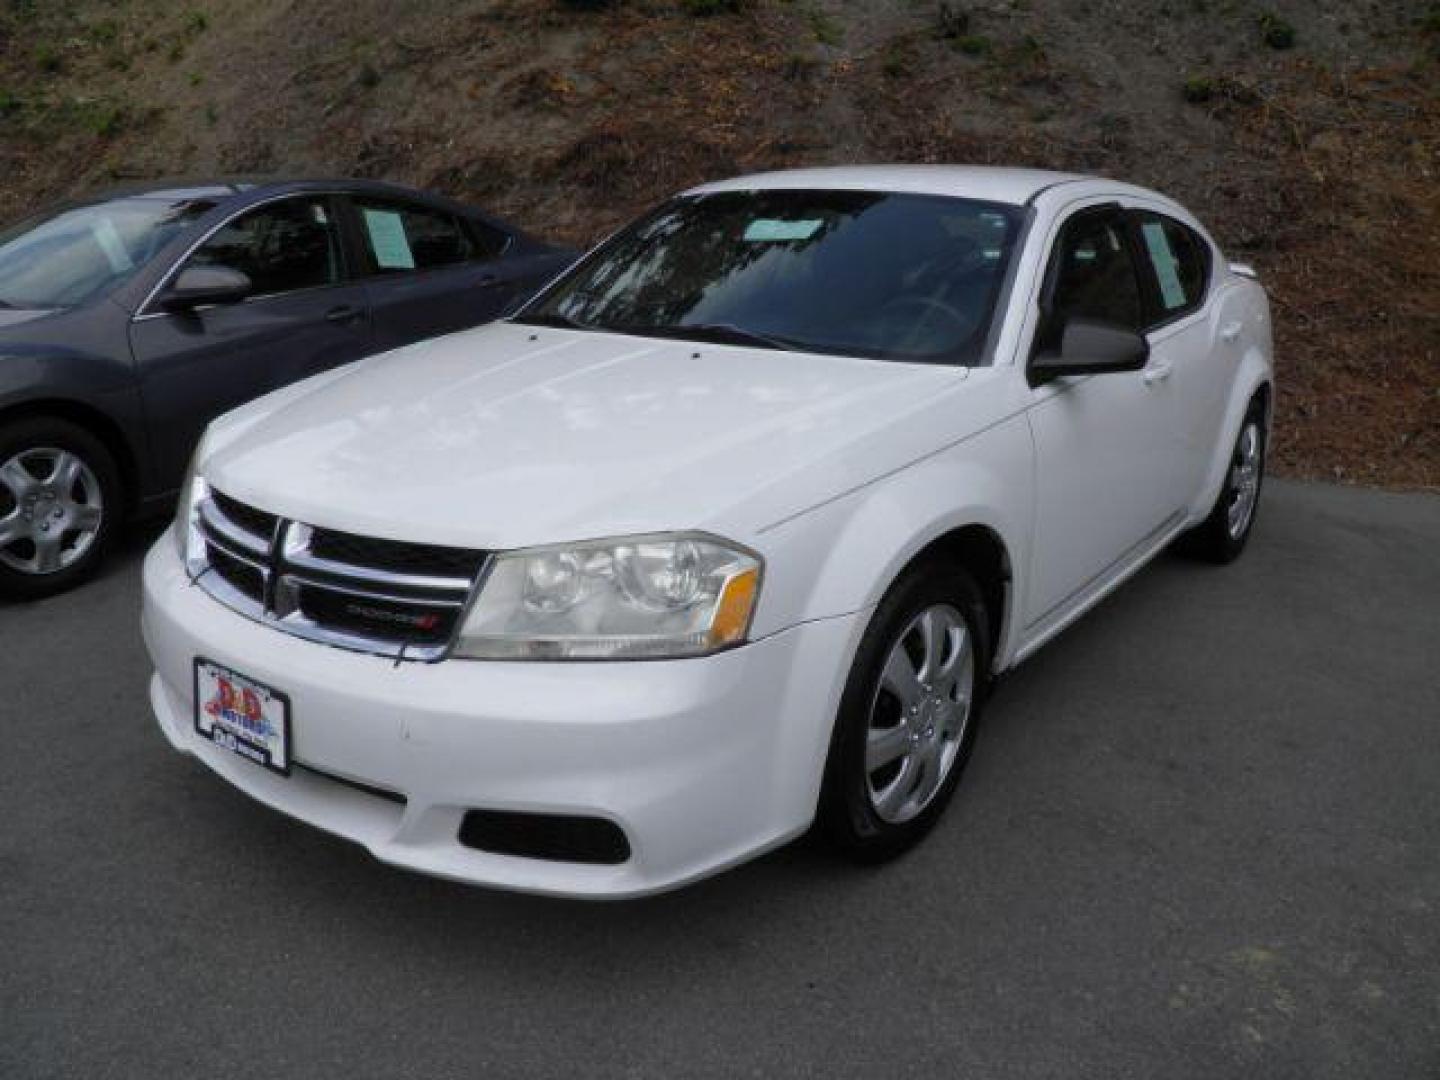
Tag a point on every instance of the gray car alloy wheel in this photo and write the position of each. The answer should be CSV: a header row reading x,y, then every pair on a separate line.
x,y
51,510
919,713
1244,479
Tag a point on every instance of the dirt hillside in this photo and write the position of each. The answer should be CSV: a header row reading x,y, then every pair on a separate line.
x,y
1306,134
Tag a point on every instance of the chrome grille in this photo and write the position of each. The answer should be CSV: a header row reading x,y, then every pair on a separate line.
x,y
367,594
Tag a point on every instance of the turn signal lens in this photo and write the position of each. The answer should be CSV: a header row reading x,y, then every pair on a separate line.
x,y
732,613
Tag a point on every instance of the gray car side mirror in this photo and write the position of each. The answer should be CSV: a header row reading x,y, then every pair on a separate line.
x,y
197,285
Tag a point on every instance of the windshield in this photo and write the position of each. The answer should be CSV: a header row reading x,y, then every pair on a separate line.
x,y
68,257
859,273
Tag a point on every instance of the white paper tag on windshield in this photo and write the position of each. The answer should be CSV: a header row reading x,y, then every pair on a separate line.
x,y
770,231
108,237
388,240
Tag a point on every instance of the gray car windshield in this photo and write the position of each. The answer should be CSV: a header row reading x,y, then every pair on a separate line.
x,y
66,258
858,273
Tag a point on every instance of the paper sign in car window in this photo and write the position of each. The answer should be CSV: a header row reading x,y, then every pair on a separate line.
x,y
770,231
388,240
108,237
1172,293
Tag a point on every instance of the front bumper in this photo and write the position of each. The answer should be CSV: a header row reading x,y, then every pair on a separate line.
x,y
703,763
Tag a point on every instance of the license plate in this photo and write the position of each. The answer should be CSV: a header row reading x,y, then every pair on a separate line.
x,y
243,716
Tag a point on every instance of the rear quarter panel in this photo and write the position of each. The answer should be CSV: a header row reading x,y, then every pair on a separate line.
x,y
1240,300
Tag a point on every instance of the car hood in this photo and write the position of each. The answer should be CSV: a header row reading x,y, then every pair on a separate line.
x,y
509,436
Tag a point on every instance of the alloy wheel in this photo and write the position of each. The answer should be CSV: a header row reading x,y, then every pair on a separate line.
x,y
919,713
1244,480
51,510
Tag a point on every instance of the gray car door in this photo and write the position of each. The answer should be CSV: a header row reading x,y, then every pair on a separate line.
x,y
304,314
430,272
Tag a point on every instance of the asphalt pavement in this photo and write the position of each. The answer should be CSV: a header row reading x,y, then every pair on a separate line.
x,y
1200,838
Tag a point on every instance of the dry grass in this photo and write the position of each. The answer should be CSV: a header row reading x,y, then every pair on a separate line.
x,y
1317,163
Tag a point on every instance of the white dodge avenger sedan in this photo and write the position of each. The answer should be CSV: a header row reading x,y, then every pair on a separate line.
x,y
725,534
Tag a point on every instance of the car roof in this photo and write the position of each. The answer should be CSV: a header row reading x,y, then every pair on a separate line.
x,y
987,183
248,187
226,187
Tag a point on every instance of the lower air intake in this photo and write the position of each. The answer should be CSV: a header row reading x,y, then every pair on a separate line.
x,y
555,837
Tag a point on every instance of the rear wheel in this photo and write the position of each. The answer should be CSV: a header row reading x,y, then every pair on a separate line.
x,y
59,497
1222,535
908,716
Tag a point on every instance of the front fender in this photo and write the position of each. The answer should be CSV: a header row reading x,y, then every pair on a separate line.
x,y
843,556
82,385
30,372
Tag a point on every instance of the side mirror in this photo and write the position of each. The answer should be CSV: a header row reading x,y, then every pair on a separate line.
x,y
198,285
1091,347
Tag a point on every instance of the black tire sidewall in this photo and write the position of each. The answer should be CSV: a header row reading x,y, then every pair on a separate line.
x,y
37,432
847,817
1210,541
1229,547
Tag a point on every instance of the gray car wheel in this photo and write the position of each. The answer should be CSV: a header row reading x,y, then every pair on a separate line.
x,y
59,496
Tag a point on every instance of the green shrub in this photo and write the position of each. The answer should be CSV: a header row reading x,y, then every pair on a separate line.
x,y
1198,89
47,58
827,31
952,21
973,44
105,32
713,7
107,121
799,66
1276,32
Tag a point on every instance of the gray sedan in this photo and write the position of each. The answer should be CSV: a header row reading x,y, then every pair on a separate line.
x,y
129,320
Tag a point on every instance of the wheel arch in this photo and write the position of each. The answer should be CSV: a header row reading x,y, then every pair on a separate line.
x,y
97,423
981,552
1256,381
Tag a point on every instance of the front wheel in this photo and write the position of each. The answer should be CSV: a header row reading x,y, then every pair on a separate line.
x,y
908,715
59,498
1222,535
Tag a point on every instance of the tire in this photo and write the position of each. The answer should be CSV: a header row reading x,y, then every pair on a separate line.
x,y
54,528
1221,537
865,811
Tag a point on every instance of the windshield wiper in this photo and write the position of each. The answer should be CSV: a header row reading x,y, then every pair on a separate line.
x,y
722,333
564,322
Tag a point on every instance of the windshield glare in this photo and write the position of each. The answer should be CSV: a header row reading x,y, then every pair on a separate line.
x,y
874,274
67,258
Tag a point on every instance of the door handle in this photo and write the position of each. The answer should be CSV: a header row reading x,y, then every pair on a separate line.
x,y
343,314
1230,332
490,281
1156,373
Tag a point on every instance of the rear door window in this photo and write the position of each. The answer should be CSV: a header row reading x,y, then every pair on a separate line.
x,y
400,238
1177,263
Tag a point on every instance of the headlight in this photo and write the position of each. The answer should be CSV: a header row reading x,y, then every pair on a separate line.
x,y
186,531
651,597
